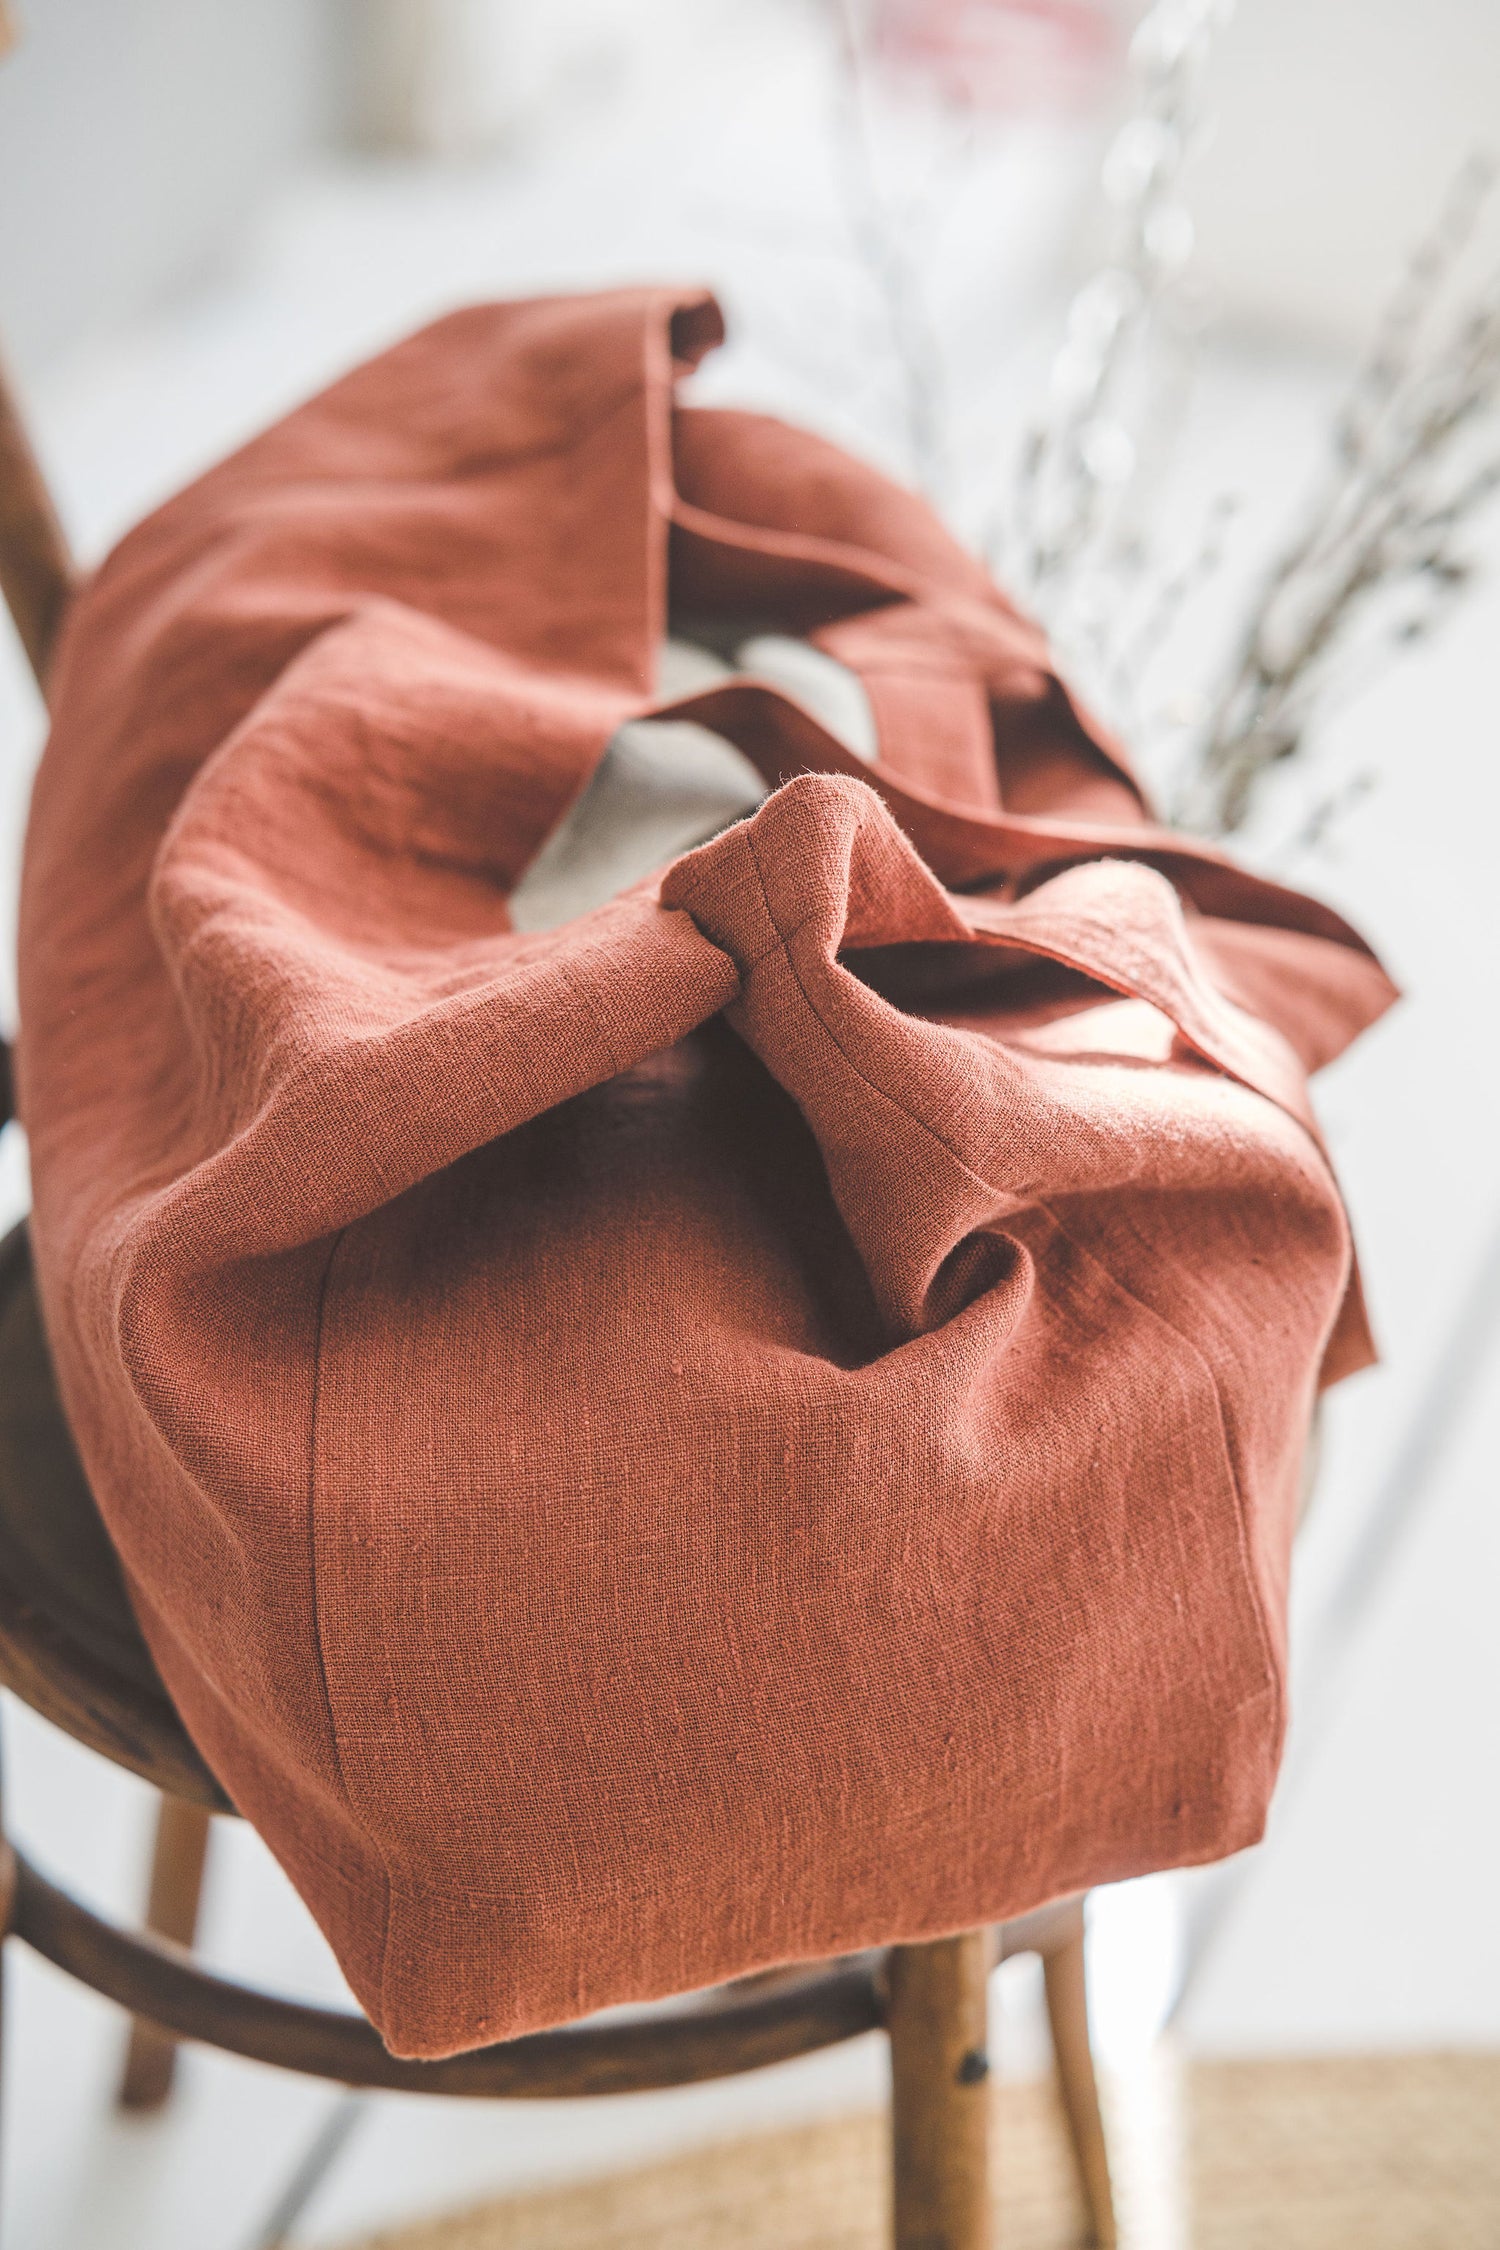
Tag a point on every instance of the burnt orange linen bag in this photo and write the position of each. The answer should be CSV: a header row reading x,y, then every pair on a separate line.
x,y
761,1420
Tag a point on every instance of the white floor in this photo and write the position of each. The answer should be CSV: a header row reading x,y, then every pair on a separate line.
x,y
1368,1919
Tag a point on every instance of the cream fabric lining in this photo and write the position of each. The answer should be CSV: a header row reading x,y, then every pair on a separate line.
x,y
664,785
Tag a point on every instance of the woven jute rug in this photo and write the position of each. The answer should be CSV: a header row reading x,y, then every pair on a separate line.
x,y
1375,2153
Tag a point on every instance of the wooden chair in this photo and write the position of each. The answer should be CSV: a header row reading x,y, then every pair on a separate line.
x,y
70,1647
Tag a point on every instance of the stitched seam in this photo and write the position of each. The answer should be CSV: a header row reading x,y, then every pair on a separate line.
x,y
319,1646
1274,1684
821,1020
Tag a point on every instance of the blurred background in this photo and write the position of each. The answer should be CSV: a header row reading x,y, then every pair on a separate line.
x,y
1102,300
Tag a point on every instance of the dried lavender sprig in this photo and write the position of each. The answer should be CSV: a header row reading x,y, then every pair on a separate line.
x,y
1381,391
1073,464
1171,599
1318,827
1414,297
1390,514
915,347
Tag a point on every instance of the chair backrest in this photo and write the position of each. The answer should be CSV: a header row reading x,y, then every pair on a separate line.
x,y
36,573
36,568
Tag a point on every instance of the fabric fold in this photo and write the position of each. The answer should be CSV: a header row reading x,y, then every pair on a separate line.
x,y
822,870
758,1421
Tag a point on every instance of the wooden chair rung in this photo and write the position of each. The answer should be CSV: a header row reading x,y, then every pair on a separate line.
x,y
726,2033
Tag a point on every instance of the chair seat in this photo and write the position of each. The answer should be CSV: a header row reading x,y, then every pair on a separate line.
x,y
69,1642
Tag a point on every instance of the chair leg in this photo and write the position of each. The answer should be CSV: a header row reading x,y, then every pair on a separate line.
x,y
4,1934
938,2020
1068,2015
171,1912
7,1904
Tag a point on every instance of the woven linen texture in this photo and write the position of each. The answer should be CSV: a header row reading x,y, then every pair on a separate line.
x,y
759,1420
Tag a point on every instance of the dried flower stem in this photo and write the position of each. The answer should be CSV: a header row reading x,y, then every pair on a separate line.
x,y
1403,488
915,348
1077,463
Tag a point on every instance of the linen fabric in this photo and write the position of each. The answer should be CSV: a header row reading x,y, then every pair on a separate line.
x,y
762,1419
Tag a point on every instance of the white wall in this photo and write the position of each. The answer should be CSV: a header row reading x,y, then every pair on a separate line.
x,y
1339,126
134,137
